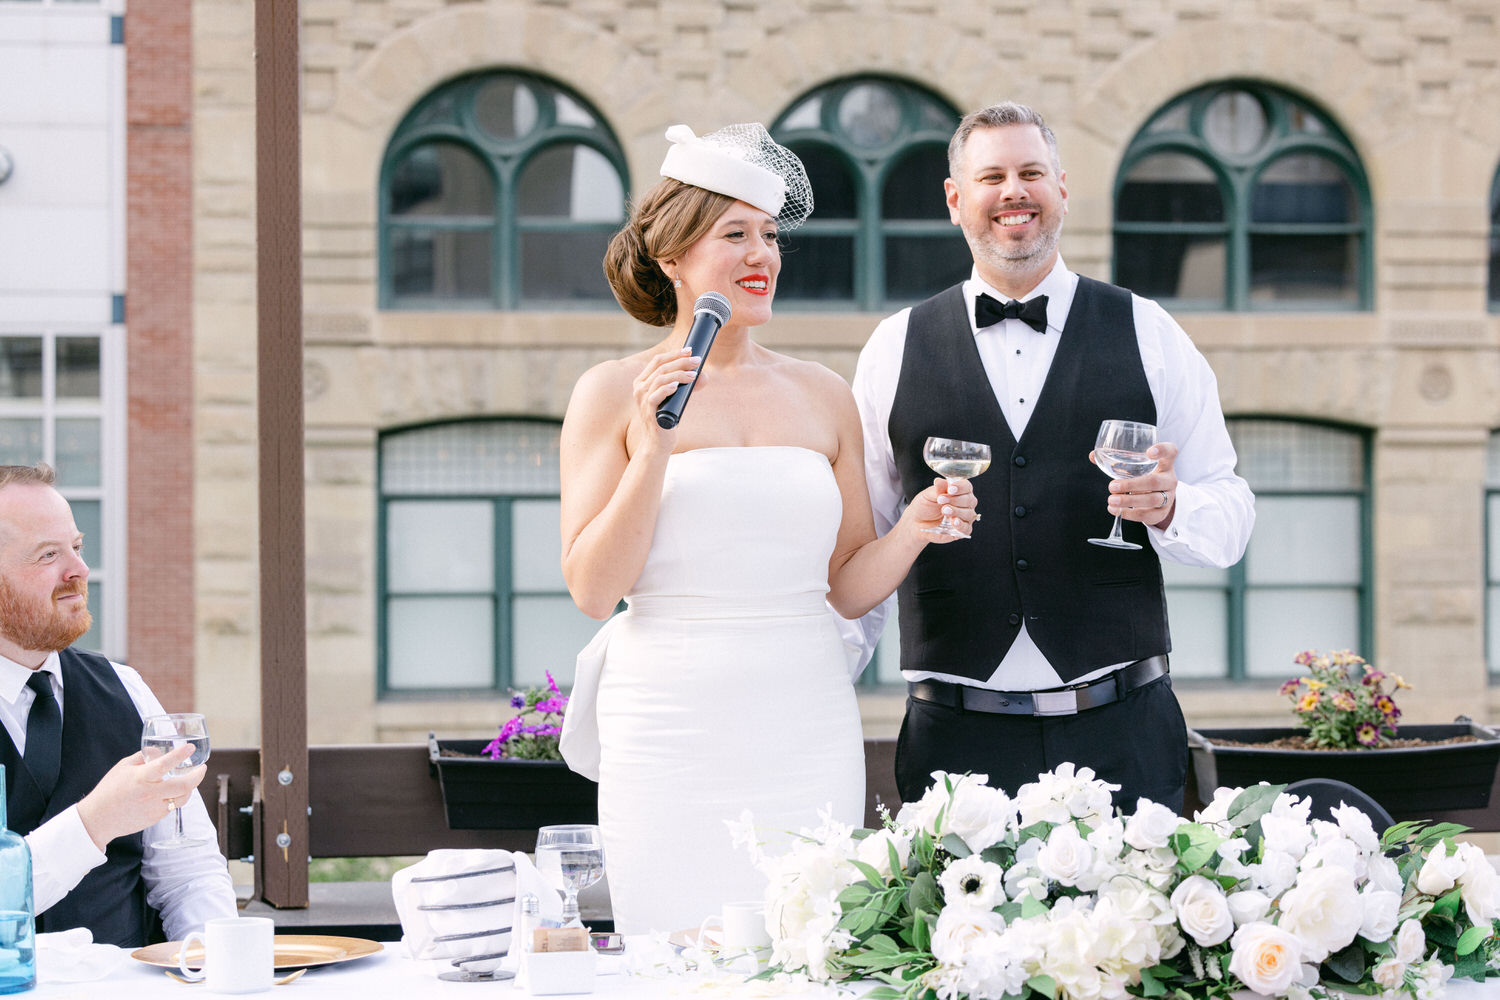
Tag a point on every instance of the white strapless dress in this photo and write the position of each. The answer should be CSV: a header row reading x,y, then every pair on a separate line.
x,y
725,686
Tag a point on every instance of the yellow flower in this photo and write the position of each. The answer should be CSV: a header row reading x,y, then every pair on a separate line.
x,y
1313,685
1309,702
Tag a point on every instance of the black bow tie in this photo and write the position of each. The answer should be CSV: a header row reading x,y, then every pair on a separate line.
x,y
988,312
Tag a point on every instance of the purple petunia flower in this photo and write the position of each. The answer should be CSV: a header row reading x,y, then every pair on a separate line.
x,y
518,701
552,684
553,704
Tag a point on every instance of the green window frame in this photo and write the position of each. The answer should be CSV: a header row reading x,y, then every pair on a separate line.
x,y
492,188
1492,555
470,593
1306,578
1240,196
1494,282
876,150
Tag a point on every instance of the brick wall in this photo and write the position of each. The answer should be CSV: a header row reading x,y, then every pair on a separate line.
x,y
159,301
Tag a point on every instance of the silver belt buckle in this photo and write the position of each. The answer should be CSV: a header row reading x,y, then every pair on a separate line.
x,y
1055,702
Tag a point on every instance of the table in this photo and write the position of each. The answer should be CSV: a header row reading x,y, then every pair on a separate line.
x,y
389,975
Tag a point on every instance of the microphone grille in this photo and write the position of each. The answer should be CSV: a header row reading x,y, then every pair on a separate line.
x,y
714,304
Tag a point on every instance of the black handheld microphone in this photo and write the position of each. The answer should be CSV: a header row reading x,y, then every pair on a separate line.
x,y
710,312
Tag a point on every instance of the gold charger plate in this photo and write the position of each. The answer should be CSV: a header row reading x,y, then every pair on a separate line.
x,y
293,951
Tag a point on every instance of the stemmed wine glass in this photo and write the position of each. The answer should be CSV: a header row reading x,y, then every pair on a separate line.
x,y
954,459
574,855
160,735
1120,451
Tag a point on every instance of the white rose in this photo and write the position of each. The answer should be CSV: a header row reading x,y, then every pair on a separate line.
x,y
875,850
1202,910
1383,874
922,814
1066,858
973,882
1265,958
1355,824
1150,826
1411,941
1439,872
1288,833
1217,811
1274,873
1248,906
1380,913
958,928
1322,911
981,815
1479,885
1389,974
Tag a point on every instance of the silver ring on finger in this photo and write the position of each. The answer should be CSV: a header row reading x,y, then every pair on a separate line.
x,y
1165,498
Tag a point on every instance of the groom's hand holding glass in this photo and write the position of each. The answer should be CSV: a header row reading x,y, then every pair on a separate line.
x,y
1151,498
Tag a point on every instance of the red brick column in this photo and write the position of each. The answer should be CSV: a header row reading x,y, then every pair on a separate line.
x,y
159,345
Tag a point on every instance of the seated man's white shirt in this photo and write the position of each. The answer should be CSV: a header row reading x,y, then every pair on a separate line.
x,y
187,885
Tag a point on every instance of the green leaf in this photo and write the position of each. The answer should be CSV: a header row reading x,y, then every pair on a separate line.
x,y
853,896
923,894
954,845
1253,803
997,855
1194,844
1045,985
1447,905
1471,939
1348,964
921,932
1032,907
885,993
868,871
1150,985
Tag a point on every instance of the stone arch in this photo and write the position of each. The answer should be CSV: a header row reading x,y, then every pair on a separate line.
x,y
1300,58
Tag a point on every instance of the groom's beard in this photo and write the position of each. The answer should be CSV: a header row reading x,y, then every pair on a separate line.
x,y
44,625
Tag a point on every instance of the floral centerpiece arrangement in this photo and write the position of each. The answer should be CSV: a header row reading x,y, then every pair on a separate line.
x,y
972,893
1342,701
531,734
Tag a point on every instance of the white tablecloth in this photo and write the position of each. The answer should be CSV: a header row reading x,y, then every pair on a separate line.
x,y
389,975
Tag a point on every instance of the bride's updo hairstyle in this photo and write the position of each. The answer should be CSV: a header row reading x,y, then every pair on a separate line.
x,y
702,177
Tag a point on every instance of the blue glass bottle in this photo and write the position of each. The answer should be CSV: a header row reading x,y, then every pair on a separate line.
x,y
17,926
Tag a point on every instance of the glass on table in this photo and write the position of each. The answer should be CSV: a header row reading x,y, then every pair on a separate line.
x,y
571,855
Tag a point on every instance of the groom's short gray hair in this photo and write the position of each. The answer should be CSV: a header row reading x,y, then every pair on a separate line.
x,y
999,116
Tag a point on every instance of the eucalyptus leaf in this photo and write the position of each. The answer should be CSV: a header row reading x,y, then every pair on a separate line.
x,y
1471,939
1045,985
954,845
1348,964
1253,803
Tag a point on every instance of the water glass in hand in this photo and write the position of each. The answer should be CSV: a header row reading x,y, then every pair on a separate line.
x,y
572,855
1120,451
161,735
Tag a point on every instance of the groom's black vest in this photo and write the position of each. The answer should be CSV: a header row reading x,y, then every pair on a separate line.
x,y
100,726
1085,606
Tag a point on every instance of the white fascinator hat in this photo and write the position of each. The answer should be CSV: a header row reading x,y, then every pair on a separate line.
x,y
745,163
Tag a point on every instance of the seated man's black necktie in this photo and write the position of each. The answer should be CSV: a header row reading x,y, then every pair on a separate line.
x,y
1033,312
43,757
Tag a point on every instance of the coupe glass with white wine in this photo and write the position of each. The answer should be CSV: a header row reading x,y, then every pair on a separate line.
x,y
160,735
954,459
1120,452
573,855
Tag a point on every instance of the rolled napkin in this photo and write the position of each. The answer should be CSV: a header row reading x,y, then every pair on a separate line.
x,y
73,957
464,903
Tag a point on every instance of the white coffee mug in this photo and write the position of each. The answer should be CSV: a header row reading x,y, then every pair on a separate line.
x,y
741,927
238,954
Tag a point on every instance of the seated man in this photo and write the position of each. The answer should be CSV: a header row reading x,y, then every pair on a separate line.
x,y
76,784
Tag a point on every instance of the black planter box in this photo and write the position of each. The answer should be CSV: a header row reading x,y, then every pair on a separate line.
x,y
1410,782
505,794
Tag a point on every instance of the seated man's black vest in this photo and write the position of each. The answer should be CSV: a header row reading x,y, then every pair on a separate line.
x,y
100,725
1029,561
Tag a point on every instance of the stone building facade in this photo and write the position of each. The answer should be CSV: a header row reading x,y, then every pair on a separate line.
x,y
1415,88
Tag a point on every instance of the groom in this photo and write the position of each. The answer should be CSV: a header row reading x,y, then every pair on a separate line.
x,y
1026,647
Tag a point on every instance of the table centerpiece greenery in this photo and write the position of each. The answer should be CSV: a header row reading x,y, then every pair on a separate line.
x,y
972,893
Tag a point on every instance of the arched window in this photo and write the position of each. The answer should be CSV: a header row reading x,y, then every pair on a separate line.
x,y
876,151
471,594
1495,244
495,191
1305,579
1241,196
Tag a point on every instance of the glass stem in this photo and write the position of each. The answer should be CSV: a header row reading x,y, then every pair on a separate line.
x,y
177,812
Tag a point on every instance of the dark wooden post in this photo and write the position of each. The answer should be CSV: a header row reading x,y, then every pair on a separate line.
x,y
281,850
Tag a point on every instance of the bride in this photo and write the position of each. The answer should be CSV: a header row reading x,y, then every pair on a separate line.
x,y
725,686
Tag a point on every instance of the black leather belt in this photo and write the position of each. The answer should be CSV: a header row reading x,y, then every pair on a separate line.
x,y
1105,690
